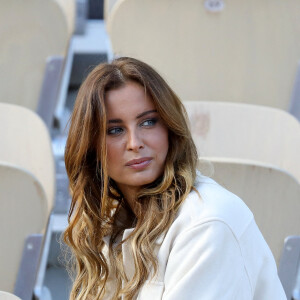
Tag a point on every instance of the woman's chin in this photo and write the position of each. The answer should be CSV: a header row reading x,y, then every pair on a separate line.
x,y
139,181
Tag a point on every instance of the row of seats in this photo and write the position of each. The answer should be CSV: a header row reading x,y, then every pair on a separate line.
x,y
235,142
34,37
252,150
27,185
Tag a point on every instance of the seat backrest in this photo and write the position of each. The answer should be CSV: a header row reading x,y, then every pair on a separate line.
x,y
31,31
25,142
108,6
247,52
264,134
23,211
272,194
8,296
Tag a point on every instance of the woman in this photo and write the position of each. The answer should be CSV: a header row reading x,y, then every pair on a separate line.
x,y
143,224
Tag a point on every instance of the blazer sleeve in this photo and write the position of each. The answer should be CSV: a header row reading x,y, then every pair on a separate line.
x,y
206,263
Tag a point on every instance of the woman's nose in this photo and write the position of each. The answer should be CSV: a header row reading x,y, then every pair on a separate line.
x,y
135,141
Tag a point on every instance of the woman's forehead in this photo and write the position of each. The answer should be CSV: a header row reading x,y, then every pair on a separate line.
x,y
130,98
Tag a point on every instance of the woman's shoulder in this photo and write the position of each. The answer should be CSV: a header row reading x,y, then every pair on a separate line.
x,y
210,202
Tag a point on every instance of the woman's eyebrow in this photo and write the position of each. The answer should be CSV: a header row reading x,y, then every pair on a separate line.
x,y
115,121
118,121
145,113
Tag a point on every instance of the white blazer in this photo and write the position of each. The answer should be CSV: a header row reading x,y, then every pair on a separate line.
x,y
213,250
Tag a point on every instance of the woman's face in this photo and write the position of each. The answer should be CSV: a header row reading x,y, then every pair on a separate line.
x,y
136,139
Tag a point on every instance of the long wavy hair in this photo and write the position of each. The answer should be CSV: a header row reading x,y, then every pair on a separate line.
x,y
98,208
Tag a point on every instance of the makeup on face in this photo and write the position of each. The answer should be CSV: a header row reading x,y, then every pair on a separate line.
x,y
137,138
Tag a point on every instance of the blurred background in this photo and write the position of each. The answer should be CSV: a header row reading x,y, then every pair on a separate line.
x,y
235,66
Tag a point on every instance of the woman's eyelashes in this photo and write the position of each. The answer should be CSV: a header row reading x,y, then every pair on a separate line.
x,y
148,123
114,131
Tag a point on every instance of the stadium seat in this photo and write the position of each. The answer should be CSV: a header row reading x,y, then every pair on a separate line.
x,y
236,130
24,211
25,143
30,32
245,52
273,195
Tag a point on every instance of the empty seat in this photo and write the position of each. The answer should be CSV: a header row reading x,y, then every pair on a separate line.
x,y
246,52
30,32
23,211
271,193
258,133
25,143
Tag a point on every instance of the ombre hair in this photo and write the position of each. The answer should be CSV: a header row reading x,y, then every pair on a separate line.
x,y
98,207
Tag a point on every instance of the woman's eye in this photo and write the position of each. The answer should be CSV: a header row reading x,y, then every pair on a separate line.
x,y
149,122
114,131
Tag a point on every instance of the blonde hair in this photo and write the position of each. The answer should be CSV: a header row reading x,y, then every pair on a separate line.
x,y
97,204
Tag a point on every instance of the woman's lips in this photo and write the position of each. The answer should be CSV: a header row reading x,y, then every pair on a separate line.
x,y
139,164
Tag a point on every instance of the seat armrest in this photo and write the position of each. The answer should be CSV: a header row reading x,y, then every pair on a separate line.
x,y
288,270
50,88
28,268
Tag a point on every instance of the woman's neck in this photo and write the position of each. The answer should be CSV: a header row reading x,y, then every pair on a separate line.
x,y
130,195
